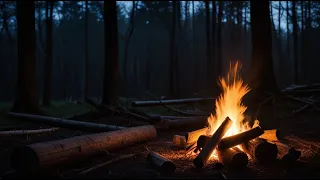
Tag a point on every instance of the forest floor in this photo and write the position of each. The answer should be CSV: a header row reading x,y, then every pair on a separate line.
x,y
300,130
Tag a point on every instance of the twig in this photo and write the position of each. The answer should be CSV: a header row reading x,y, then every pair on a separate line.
x,y
106,163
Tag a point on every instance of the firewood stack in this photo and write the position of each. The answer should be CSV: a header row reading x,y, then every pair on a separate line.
x,y
256,144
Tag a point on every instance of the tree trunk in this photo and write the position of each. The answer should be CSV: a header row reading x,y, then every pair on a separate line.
x,y
262,78
288,32
194,39
211,72
219,40
209,66
295,43
127,43
111,53
172,52
48,66
86,52
302,42
27,96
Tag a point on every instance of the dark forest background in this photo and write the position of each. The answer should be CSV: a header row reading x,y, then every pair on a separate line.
x,y
160,43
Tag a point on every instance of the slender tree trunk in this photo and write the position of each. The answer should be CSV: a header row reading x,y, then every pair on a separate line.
x,y
194,59
172,51
48,66
302,42
309,15
209,60
178,50
219,40
288,32
245,30
127,43
212,73
111,53
295,43
86,52
262,78
27,96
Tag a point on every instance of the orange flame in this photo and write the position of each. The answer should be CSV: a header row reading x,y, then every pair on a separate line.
x,y
229,104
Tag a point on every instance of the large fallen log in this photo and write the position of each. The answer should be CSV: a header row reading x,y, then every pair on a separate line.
x,y
261,150
193,136
178,123
240,138
271,135
47,154
27,132
160,162
287,154
233,157
208,149
71,124
170,102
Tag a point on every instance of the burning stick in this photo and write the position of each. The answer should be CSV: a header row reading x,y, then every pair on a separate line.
x,y
206,152
261,150
164,164
286,154
233,157
271,135
193,136
237,139
42,155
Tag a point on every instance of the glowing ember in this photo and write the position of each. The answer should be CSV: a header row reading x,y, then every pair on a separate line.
x,y
229,104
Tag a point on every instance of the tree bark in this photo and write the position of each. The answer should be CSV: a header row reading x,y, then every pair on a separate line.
x,y
295,43
194,40
208,45
262,78
48,154
288,31
173,73
110,78
48,66
86,52
219,41
27,97
212,73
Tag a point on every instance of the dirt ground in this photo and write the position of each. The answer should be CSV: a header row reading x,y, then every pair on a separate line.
x,y
300,131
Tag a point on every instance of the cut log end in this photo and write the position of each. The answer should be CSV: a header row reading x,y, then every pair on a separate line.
x,y
24,159
233,158
160,162
261,150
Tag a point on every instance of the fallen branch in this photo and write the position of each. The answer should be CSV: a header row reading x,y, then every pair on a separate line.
x,y
206,152
160,162
47,154
105,164
79,125
170,102
27,132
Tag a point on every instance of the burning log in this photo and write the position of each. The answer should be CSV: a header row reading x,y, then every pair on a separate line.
x,y
202,141
27,132
208,149
47,154
271,135
286,154
169,102
193,136
261,150
162,163
177,123
237,139
233,157
79,125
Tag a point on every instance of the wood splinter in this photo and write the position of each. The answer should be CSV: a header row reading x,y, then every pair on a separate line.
x,y
208,149
160,162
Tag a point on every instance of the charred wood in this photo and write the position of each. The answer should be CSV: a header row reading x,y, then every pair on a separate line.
x,y
208,149
233,157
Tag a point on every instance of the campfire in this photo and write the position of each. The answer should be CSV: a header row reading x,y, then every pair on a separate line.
x,y
229,137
